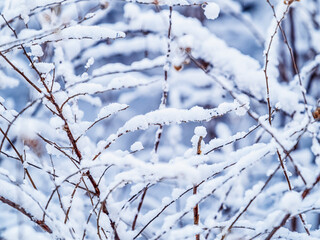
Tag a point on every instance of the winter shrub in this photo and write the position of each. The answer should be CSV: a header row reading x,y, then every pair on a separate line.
x,y
159,119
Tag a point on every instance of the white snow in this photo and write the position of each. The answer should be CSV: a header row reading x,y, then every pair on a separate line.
x,y
90,32
89,63
168,2
7,82
171,115
43,67
36,50
211,10
200,131
125,81
137,146
9,191
291,201
131,11
111,109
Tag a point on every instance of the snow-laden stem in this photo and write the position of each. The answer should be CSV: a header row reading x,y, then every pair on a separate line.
x,y
267,52
292,55
165,87
252,114
196,216
240,213
14,205
19,156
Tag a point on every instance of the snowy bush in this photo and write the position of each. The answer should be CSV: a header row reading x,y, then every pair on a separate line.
x,y
159,119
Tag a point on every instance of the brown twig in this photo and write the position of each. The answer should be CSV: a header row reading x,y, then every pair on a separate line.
x,y
252,114
195,189
180,196
304,194
207,195
71,200
267,56
21,73
20,157
139,208
249,203
163,104
164,98
292,55
16,206
274,230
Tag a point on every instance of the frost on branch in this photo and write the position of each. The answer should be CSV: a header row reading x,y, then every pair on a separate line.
x,y
145,119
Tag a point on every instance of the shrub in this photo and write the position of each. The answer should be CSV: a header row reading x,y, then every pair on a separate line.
x,y
166,119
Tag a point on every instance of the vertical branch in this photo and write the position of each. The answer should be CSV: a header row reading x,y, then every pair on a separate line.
x,y
291,51
296,70
290,188
163,104
139,208
265,70
293,37
284,170
112,223
300,83
196,212
164,98
167,64
71,200
195,190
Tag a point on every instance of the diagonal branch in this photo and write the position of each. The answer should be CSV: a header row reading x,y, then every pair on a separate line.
x,y
16,206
